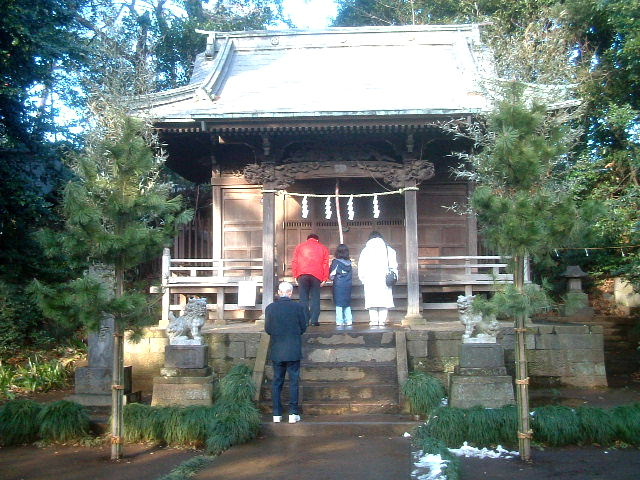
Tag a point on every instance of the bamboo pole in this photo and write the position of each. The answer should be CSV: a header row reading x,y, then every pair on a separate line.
x,y
522,378
117,383
338,210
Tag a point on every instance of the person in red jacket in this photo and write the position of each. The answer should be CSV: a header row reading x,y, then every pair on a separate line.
x,y
310,268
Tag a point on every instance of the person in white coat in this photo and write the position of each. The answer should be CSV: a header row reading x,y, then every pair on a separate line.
x,y
376,259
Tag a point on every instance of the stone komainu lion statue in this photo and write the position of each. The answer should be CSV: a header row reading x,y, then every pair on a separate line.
x,y
186,328
475,325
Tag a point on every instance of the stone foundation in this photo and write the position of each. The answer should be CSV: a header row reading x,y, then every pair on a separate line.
x,y
570,355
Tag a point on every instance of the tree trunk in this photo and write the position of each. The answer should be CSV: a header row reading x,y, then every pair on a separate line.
x,y
117,387
522,379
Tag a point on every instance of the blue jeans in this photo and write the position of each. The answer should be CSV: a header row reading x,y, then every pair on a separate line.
x,y
279,371
309,292
343,316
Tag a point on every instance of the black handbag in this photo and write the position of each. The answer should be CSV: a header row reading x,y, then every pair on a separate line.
x,y
390,278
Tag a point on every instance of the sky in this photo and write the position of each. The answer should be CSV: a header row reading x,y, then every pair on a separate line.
x,y
310,14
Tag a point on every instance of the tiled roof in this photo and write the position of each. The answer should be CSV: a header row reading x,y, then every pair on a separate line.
x,y
345,72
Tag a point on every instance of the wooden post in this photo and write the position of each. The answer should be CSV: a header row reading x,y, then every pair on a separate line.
x,y
338,210
166,297
413,316
522,378
268,243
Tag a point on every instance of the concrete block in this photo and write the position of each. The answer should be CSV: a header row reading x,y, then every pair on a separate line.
x,y
183,391
251,348
568,341
185,372
444,348
419,335
490,392
587,369
351,355
547,363
186,356
217,351
236,350
481,355
585,355
590,381
417,348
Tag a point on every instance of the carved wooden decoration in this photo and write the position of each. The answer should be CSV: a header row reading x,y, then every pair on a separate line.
x,y
396,174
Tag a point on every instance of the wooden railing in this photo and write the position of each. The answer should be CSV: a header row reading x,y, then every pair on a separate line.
x,y
466,270
201,270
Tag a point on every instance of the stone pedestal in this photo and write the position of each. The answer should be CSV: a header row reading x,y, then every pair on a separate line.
x,y
186,378
480,378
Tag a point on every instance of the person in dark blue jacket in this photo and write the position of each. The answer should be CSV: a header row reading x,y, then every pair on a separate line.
x,y
341,272
285,321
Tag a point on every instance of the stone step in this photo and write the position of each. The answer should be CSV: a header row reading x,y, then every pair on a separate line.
x,y
389,425
360,373
312,392
349,339
349,408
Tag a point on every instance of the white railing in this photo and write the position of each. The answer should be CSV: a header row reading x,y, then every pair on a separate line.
x,y
203,270
466,270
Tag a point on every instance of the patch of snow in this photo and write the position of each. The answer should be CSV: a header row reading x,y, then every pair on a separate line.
x,y
406,434
433,464
467,451
444,402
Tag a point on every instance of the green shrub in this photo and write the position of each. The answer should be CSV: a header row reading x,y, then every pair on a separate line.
x,y
449,425
140,423
424,392
492,426
63,421
188,426
597,425
19,422
237,385
626,421
556,426
428,444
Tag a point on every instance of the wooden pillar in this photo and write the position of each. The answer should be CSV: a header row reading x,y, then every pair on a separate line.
x,y
268,246
413,316
166,295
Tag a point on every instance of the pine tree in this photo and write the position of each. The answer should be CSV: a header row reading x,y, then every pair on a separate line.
x,y
118,214
522,208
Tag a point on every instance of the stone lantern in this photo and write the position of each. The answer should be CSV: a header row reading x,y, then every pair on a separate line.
x,y
577,301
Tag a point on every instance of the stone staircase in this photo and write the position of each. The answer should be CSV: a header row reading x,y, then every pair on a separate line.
x,y
350,372
621,337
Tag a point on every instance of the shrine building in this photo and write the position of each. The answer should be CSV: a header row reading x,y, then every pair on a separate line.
x,y
336,132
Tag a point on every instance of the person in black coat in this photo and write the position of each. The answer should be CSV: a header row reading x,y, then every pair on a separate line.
x,y
341,272
285,321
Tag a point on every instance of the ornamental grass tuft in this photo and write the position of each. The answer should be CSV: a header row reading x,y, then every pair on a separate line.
x,y
142,423
597,425
492,426
556,426
188,426
19,422
449,425
626,420
424,393
428,444
188,468
237,385
63,421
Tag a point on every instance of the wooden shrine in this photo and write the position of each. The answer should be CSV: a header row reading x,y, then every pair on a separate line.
x,y
277,122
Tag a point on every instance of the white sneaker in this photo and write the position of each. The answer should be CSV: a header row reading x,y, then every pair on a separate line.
x,y
294,418
277,419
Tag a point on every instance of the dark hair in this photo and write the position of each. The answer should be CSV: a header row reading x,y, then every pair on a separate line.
x,y
342,251
313,235
375,234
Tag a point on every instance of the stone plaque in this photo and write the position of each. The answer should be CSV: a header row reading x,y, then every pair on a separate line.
x,y
101,344
481,355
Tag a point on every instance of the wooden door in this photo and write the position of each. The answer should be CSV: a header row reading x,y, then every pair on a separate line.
x,y
241,222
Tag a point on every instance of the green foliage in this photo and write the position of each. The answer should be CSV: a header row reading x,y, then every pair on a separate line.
x,y
508,302
428,444
597,425
118,214
141,423
63,421
38,374
557,425
492,426
189,468
424,392
237,385
236,418
627,423
19,422
449,425
188,426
